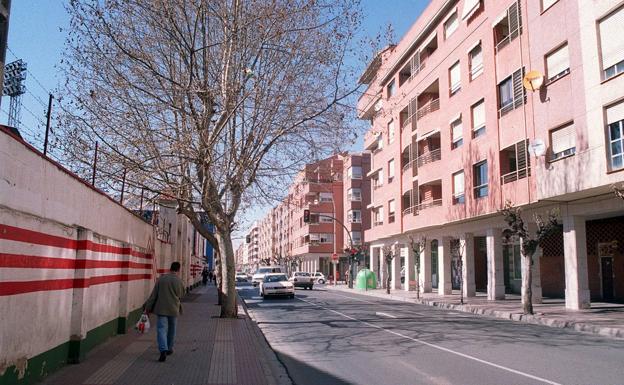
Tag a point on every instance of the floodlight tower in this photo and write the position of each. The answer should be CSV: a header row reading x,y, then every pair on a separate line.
x,y
14,76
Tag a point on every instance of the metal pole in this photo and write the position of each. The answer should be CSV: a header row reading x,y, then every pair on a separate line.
x,y
94,164
141,204
123,186
45,142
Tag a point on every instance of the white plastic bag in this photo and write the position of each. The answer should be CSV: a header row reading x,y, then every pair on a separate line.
x,y
143,325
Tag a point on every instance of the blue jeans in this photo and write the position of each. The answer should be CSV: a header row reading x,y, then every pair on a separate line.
x,y
166,331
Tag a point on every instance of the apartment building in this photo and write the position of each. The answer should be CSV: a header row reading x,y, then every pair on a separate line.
x,y
483,102
356,189
252,240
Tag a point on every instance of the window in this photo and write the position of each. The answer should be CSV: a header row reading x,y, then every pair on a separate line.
x,y
480,182
612,44
615,126
390,170
326,237
476,61
378,216
457,138
511,93
558,63
354,216
454,79
450,25
512,258
325,218
390,88
478,118
356,237
391,209
354,194
458,188
562,141
508,26
354,172
380,177
470,8
391,132
547,4
326,197
314,238
379,143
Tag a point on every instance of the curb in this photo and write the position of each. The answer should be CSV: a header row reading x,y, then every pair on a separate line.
x,y
583,327
274,369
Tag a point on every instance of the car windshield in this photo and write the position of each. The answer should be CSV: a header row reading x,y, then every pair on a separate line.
x,y
275,278
302,274
264,270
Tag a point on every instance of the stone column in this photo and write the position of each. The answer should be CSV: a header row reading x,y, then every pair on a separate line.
x,y
468,268
395,270
495,272
575,255
444,266
410,268
536,281
425,268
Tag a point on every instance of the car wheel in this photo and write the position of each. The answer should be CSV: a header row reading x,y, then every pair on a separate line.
x,y
321,281
311,287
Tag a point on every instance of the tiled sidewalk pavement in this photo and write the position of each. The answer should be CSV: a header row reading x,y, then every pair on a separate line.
x,y
208,350
606,319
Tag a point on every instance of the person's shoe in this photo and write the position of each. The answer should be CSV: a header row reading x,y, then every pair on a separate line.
x,y
169,352
163,356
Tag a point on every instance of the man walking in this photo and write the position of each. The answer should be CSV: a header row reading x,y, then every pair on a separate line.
x,y
165,303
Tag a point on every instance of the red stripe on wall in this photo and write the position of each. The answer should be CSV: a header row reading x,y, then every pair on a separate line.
x,y
37,262
12,288
23,235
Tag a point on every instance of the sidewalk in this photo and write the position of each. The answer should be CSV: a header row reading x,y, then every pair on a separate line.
x,y
606,319
208,350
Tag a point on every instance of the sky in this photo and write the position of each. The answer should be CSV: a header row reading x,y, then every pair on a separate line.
x,y
37,32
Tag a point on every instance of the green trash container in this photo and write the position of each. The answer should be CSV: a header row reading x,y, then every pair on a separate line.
x,y
365,279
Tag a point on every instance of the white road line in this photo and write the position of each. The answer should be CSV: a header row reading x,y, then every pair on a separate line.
x,y
384,314
437,346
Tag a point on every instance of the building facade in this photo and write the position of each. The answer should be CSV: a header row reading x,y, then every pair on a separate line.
x,y
484,102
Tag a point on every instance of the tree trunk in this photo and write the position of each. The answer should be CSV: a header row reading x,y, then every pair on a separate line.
x,y
527,278
218,279
388,278
229,308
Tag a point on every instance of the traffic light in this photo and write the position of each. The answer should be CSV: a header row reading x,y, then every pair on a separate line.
x,y
306,216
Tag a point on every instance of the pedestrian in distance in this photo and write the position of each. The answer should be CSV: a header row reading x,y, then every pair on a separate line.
x,y
165,303
205,276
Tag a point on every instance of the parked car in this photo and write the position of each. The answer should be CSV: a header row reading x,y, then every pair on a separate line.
x,y
264,270
302,279
276,284
241,277
319,277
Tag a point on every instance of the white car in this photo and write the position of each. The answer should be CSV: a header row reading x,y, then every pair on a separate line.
x,y
302,279
241,277
319,277
276,284
264,270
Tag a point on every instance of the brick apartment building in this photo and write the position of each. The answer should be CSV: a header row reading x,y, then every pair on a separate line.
x,y
454,134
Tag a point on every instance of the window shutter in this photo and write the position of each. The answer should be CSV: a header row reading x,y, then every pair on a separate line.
x,y
450,25
415,63
455,75
391,131
391,206
476,58
515,21
563,138
391,168
458,184
611,39
457,130
518,88
557,62
522,160
478,115
615,113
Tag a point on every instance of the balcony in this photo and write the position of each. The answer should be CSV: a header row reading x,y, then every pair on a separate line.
x,y
428,204
377,223
429,157
428,108
410,210
515,175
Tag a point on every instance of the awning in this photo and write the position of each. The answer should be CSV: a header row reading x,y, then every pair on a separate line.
x,y
430,133
499,18
472,46
470,7
456,117
428,41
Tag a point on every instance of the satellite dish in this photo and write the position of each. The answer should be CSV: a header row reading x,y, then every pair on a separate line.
x,y
533,80
537,148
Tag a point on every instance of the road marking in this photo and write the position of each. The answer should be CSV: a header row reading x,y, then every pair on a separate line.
x,y
437,346
384,314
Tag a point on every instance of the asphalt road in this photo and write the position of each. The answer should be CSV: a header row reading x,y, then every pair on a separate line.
x,y
328,337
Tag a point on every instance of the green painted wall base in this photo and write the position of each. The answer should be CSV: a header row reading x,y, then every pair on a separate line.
x,y
70,352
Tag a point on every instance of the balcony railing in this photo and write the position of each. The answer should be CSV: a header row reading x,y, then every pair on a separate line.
x,y
428,108
429,204
377,223
428,157
515,175
377,186
410,210
417,70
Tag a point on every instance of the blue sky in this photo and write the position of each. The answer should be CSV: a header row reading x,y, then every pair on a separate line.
x,y
37,32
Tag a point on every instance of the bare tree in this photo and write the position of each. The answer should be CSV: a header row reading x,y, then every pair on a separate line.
x,y
388,255
528,243
418,247
210,102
